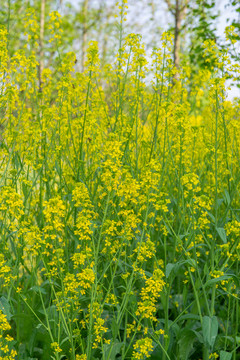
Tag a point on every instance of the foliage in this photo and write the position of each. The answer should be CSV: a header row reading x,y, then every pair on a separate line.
x,y
202,15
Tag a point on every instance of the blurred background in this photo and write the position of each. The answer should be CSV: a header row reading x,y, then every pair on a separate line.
x,y
190,21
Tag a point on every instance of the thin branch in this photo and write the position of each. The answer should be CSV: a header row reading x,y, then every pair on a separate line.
x,y
170,7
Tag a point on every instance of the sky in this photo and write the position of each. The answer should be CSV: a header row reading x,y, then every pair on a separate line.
x,y
225,13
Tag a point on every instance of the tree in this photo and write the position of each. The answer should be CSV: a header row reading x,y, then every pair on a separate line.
x,y
204,14
178,10
41,41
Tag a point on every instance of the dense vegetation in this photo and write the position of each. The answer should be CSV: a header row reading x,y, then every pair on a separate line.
x,y
119,202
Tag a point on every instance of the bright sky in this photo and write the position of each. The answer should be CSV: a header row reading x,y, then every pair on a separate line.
x,y
225,13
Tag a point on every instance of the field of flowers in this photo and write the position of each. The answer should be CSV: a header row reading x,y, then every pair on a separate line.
x,y
119,205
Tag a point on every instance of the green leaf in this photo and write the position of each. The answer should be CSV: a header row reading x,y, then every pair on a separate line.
x,y
227,197
174,268
5,307
211,217
114,327
216,280
222,234
224,355
38,289
186,343
113,348
25,325
190,317
206,269
169,268
199,336
210,330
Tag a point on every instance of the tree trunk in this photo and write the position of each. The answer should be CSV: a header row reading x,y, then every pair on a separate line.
x,y
41,42
84,33
177,9
178,19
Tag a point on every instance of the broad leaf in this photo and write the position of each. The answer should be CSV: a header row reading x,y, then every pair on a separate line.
x,y
222,234
186,344
113,349
210,330
224,355
5,307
